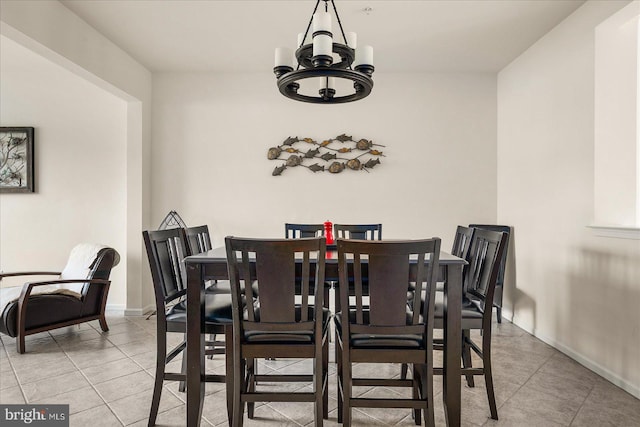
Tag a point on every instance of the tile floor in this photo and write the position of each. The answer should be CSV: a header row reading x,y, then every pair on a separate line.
x,y
107,379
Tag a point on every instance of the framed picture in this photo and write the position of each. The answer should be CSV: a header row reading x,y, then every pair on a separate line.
x,y
16,160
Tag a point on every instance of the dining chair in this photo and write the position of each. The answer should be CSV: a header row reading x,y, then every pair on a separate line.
x,y
460,248
166,250
485,254
198,239
383,330
497,297
297,231
281,323
358,231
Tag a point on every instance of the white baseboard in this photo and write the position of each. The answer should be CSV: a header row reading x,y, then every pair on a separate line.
x,y
605,373
115,309
139,311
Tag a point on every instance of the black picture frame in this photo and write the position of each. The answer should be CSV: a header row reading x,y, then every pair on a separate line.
x,y
16,160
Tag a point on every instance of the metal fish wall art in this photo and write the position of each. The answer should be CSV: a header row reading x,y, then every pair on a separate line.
x,y
331,155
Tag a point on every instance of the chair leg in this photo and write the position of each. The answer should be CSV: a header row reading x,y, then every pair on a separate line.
x,y
416,396
159,378
466,355
427,393
212,338
488,377
339,379
318,382
20,344
346,388
251,386
404,368
325,378
238,386
228,357
499,314
183,369
103,323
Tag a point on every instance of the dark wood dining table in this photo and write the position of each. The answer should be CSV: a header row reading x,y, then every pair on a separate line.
x,y
212,265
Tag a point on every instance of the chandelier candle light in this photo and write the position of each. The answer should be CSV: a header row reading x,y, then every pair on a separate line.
x,y
322,58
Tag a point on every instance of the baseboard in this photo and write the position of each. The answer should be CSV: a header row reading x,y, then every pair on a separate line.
x,y
139,311
115,309
605,373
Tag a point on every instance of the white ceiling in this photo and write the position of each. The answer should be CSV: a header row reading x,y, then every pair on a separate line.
x,y
240,35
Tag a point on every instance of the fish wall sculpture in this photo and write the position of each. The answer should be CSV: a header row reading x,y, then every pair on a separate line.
x,y
332,155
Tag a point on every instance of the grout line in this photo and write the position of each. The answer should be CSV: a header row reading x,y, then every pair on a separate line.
x,y
93,387
15,374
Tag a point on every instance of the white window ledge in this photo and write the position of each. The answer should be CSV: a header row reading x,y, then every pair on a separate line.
x,y
615,231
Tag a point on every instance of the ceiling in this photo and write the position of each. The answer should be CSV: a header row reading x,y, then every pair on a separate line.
x,y
239,35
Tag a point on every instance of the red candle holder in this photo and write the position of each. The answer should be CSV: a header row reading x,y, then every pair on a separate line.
x,y
328,232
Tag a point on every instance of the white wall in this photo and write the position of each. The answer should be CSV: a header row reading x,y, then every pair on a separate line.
x,y
80,167
53,31
573,290
212,132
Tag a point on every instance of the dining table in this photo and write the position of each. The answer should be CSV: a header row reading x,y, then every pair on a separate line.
x,y
212,265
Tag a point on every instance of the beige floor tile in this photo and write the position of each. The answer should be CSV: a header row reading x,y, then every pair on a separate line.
x,y
565,367
96,357
11,395
100,416
172,418
50,387
110,370
136,407
78,400
125,337
70,337
560,387
146,360
32,373
138,347
603,416
124,386
513,416
543,405
8,379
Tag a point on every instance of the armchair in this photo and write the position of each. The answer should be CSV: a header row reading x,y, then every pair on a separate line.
x,y
77,295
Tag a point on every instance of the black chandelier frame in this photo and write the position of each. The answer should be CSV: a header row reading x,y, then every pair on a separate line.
x,y
310,66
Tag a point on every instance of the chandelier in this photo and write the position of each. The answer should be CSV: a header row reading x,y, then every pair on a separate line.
x,y
322,58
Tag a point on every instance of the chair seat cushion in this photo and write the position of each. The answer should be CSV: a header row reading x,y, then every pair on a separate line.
x,y
399,341
288,336
224,287
470,309
217,309
42,310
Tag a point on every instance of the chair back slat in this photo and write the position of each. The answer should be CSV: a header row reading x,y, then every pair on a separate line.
x,y
462,241
485,255
300,231
166,250
275,272
358,231
198,239
503,261
388,273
